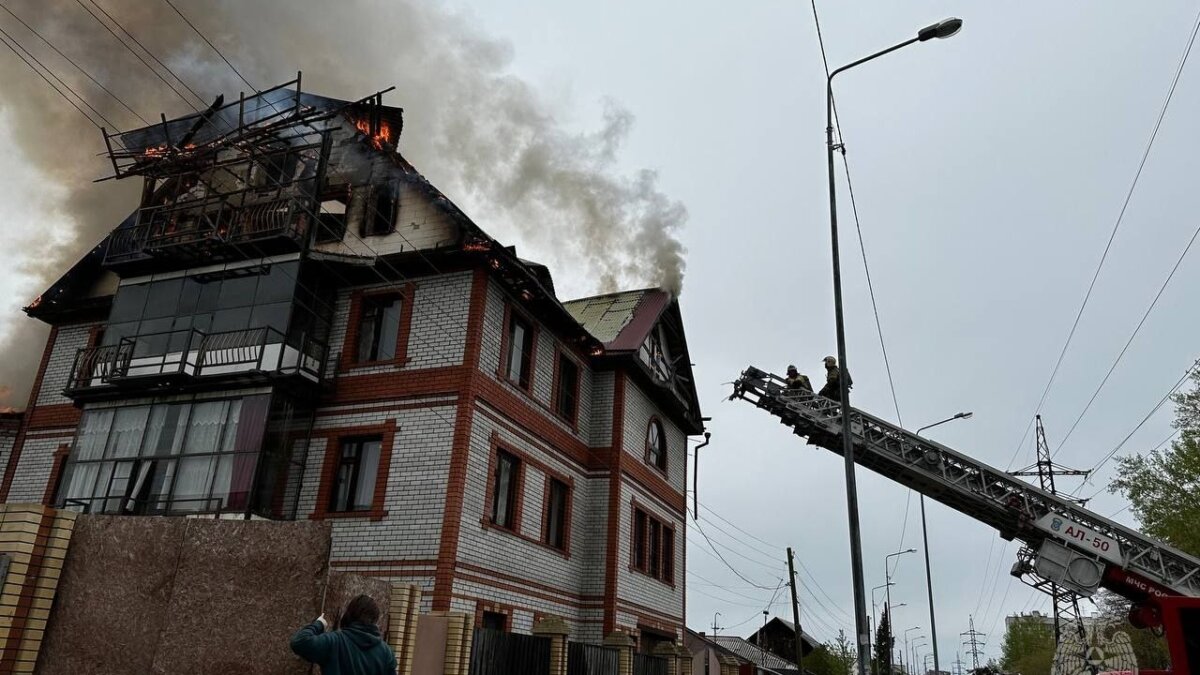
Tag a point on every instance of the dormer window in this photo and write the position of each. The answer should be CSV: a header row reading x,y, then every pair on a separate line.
x,y
654,354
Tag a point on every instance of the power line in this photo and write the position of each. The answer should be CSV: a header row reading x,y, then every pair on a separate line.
x,y
73,63
1117,225
5,39
1128,342
210,44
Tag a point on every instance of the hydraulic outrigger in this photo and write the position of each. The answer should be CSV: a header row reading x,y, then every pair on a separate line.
x,y
1068,545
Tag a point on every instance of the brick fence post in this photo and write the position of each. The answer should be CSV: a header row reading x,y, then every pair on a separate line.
x,y
556,629
666,651
623,643
684,657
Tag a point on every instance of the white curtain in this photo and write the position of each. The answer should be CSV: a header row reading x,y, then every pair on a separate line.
x,y
368,466
128,427
93,435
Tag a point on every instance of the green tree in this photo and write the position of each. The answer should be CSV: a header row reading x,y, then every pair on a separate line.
x,y
1028,646
884,643
843,654
1163,486
835,657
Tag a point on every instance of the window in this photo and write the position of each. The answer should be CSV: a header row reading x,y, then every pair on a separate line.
x,y
566,399
556,515
653,353
379,328
357,470
380,217
504,491
520,351
166,458
656,445
653,547
494,621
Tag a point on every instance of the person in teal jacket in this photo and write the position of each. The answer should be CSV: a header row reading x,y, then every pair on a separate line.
x,y
356,648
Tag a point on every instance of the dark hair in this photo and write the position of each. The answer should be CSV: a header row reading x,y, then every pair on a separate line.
x,y
361,609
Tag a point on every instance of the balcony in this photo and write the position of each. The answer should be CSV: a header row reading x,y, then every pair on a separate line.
x,y
192,359
207,231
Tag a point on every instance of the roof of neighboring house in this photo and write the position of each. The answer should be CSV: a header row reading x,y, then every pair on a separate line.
x,y
620,320
752,653
809,641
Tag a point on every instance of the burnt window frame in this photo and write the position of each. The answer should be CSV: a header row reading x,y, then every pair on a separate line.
x,y
356,476
381,209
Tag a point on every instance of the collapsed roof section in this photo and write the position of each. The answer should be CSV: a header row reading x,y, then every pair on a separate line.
x,y
288,172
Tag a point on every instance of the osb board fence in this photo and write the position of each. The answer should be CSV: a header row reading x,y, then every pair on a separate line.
x,y
177,596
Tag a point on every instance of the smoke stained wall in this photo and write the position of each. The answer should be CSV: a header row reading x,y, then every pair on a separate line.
x,y
481,134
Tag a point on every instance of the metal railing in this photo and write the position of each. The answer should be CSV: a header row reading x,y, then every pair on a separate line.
x,y
158,506
196,354
212,222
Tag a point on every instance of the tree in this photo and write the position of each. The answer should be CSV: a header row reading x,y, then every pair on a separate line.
x,y
844,655
1028,646
832,658
884,643
1163,486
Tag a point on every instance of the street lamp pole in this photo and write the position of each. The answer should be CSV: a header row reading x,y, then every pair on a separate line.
x,y
887,577
943,29
906,632
925,542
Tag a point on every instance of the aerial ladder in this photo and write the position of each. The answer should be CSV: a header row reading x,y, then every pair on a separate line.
x,y
1066,544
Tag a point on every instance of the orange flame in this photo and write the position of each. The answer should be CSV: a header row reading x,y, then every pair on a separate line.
x,y
156,151
384,137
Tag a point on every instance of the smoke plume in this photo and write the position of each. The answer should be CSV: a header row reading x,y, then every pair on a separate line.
x,y
482,135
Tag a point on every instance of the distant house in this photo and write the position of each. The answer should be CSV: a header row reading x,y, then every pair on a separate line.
x,y
709,652
778,637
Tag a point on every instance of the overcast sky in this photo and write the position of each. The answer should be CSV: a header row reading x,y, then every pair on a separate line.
x,y
989,171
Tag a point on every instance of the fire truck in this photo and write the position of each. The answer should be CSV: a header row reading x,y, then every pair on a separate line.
x,y
1065,544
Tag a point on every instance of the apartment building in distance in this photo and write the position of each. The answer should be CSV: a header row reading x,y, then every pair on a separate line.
x,y
293,323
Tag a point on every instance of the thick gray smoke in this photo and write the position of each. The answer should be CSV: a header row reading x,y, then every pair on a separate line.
x,y
479,133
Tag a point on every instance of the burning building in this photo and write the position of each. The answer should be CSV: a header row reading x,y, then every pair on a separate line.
x,y
295,324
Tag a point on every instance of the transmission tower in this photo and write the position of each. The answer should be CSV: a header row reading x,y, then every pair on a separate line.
x,y
973,643
958,664
1065,603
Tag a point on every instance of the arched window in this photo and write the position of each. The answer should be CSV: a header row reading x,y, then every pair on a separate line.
x,y
656,445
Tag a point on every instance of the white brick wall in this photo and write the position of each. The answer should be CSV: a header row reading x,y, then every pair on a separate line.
x,y
638,410
70,340
635,586
441,305
416,488
35,463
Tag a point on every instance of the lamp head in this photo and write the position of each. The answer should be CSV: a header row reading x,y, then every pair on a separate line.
x,y
964,415
940,30
911,550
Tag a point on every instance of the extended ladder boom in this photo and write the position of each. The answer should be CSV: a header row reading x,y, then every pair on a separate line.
x,y
1076,544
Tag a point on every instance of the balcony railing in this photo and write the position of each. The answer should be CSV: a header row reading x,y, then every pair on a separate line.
x,y
190,357
209,230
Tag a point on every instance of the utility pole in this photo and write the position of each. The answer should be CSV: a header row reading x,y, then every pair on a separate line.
x,y
974,643
1065,603
715,627
796,613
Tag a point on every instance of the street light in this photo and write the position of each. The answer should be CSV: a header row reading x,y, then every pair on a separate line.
x,y
925,544
942,29
874,622
906,632
887,576
916,643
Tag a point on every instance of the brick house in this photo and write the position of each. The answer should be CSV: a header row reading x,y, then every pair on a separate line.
x,y
294,323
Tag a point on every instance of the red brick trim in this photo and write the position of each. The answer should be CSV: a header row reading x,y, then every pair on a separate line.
x,y
10,469
654,483
468,567
60,460
560,354
662,434
416,405
613,541
333,449
482,606
469,380
406,293
642,610
396,562
95,334
535,332
526,590
58,416
387,387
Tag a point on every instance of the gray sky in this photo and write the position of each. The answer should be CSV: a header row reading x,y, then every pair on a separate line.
x,y
989,170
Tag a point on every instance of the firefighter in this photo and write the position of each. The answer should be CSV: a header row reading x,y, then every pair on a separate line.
x,y
795,380
831,389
